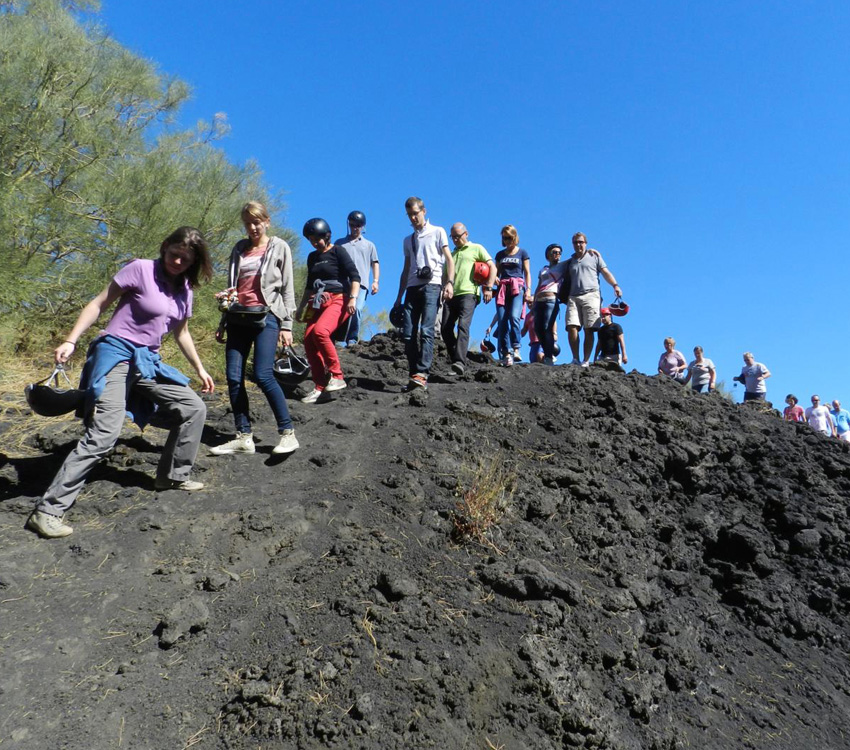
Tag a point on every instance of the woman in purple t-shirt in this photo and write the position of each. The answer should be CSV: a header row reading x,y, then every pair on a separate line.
x,y
124,372
672,363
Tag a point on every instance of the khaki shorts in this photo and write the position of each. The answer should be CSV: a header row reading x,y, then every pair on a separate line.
x,y
583,310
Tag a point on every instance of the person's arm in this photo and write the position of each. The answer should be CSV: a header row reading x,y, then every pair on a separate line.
x,y
376,274
187,346
660,369
449,270
526,272
402,281
622,339
687,378
683,364
492,323
609,277
89,314
765,374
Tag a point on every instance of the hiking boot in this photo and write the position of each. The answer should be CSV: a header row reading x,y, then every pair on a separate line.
x,y
336,384
288,442
187,485
312,397
417,381
47,525
242,443
458,368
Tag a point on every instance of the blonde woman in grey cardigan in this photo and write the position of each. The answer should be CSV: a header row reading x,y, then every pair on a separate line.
x,y
262,288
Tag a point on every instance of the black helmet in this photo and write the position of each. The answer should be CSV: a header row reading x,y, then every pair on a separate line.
x,y
291,368
316,228
357,219
550,247
51,400
397,316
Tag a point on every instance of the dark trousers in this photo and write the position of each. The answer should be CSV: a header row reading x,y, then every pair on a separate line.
x,y
420,316
458,311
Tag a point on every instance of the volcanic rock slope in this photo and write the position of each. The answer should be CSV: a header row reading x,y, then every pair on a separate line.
x,y
669,570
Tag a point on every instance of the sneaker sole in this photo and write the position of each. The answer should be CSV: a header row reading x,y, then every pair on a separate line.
x,y
230,452
278,451
332,389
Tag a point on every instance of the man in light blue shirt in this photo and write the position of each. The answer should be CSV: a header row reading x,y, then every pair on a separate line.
x,y
841,418
365,257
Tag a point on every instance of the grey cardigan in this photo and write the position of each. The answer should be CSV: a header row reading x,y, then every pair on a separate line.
x,y
276,281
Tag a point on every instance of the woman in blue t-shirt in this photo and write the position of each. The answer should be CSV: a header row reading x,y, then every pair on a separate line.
x,y
513,290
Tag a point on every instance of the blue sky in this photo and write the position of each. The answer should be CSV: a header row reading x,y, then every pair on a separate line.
x,y
702,147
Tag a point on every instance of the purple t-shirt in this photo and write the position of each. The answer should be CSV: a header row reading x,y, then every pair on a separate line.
x,y
671,361
149,307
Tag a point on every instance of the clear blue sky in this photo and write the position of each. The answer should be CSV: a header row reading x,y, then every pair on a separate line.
x,y
702,147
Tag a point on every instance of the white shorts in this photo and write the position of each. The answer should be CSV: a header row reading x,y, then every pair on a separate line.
x,y
583,310
844,436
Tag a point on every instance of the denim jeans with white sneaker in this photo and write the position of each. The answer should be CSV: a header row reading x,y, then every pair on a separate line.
x,y
239,341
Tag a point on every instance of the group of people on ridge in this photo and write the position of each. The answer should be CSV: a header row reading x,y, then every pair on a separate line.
x,y
124,372
834,422
462,278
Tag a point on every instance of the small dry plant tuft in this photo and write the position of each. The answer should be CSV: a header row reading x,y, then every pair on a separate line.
x,y
484,492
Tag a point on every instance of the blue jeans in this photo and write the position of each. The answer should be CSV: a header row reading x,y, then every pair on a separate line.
x,y
353,335
420,315
545,316
508,328
239,341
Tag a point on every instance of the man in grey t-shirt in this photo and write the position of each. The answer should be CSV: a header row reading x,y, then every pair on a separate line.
x,y
365,257
581,272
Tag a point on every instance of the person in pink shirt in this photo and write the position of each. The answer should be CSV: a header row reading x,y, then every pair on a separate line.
x,y
793,412
672,363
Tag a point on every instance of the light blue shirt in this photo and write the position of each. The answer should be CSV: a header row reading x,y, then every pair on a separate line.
x,y
841,417
363,253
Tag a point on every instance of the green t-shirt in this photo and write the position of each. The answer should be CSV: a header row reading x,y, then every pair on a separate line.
x,y
465,259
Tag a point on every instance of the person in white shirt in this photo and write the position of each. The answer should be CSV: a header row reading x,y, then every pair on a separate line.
x,y
819,418
427,277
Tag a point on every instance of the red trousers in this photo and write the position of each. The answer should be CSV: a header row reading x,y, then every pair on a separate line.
x,y
318,340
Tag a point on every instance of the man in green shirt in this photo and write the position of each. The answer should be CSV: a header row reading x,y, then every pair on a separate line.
x,y
459,309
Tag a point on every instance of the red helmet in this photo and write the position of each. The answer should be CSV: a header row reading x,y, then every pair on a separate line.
x,y
618,307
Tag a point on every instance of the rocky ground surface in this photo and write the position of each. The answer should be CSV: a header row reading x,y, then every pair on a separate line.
x,y
666,570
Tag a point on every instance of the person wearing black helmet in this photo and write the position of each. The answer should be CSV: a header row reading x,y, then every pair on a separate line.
x,y
545,308
330,297
427,261
365,257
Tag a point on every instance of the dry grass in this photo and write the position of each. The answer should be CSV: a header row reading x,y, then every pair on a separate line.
x,y
484,493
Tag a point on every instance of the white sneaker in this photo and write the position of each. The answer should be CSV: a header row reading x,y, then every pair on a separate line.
x,y
242,443
47,525
288,442
336,384
187,485
585,364
509,360
517,355
312,397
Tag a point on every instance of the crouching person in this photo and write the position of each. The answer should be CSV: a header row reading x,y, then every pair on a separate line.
x,y
125,374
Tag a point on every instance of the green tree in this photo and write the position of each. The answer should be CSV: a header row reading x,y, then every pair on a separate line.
x,y
93,171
